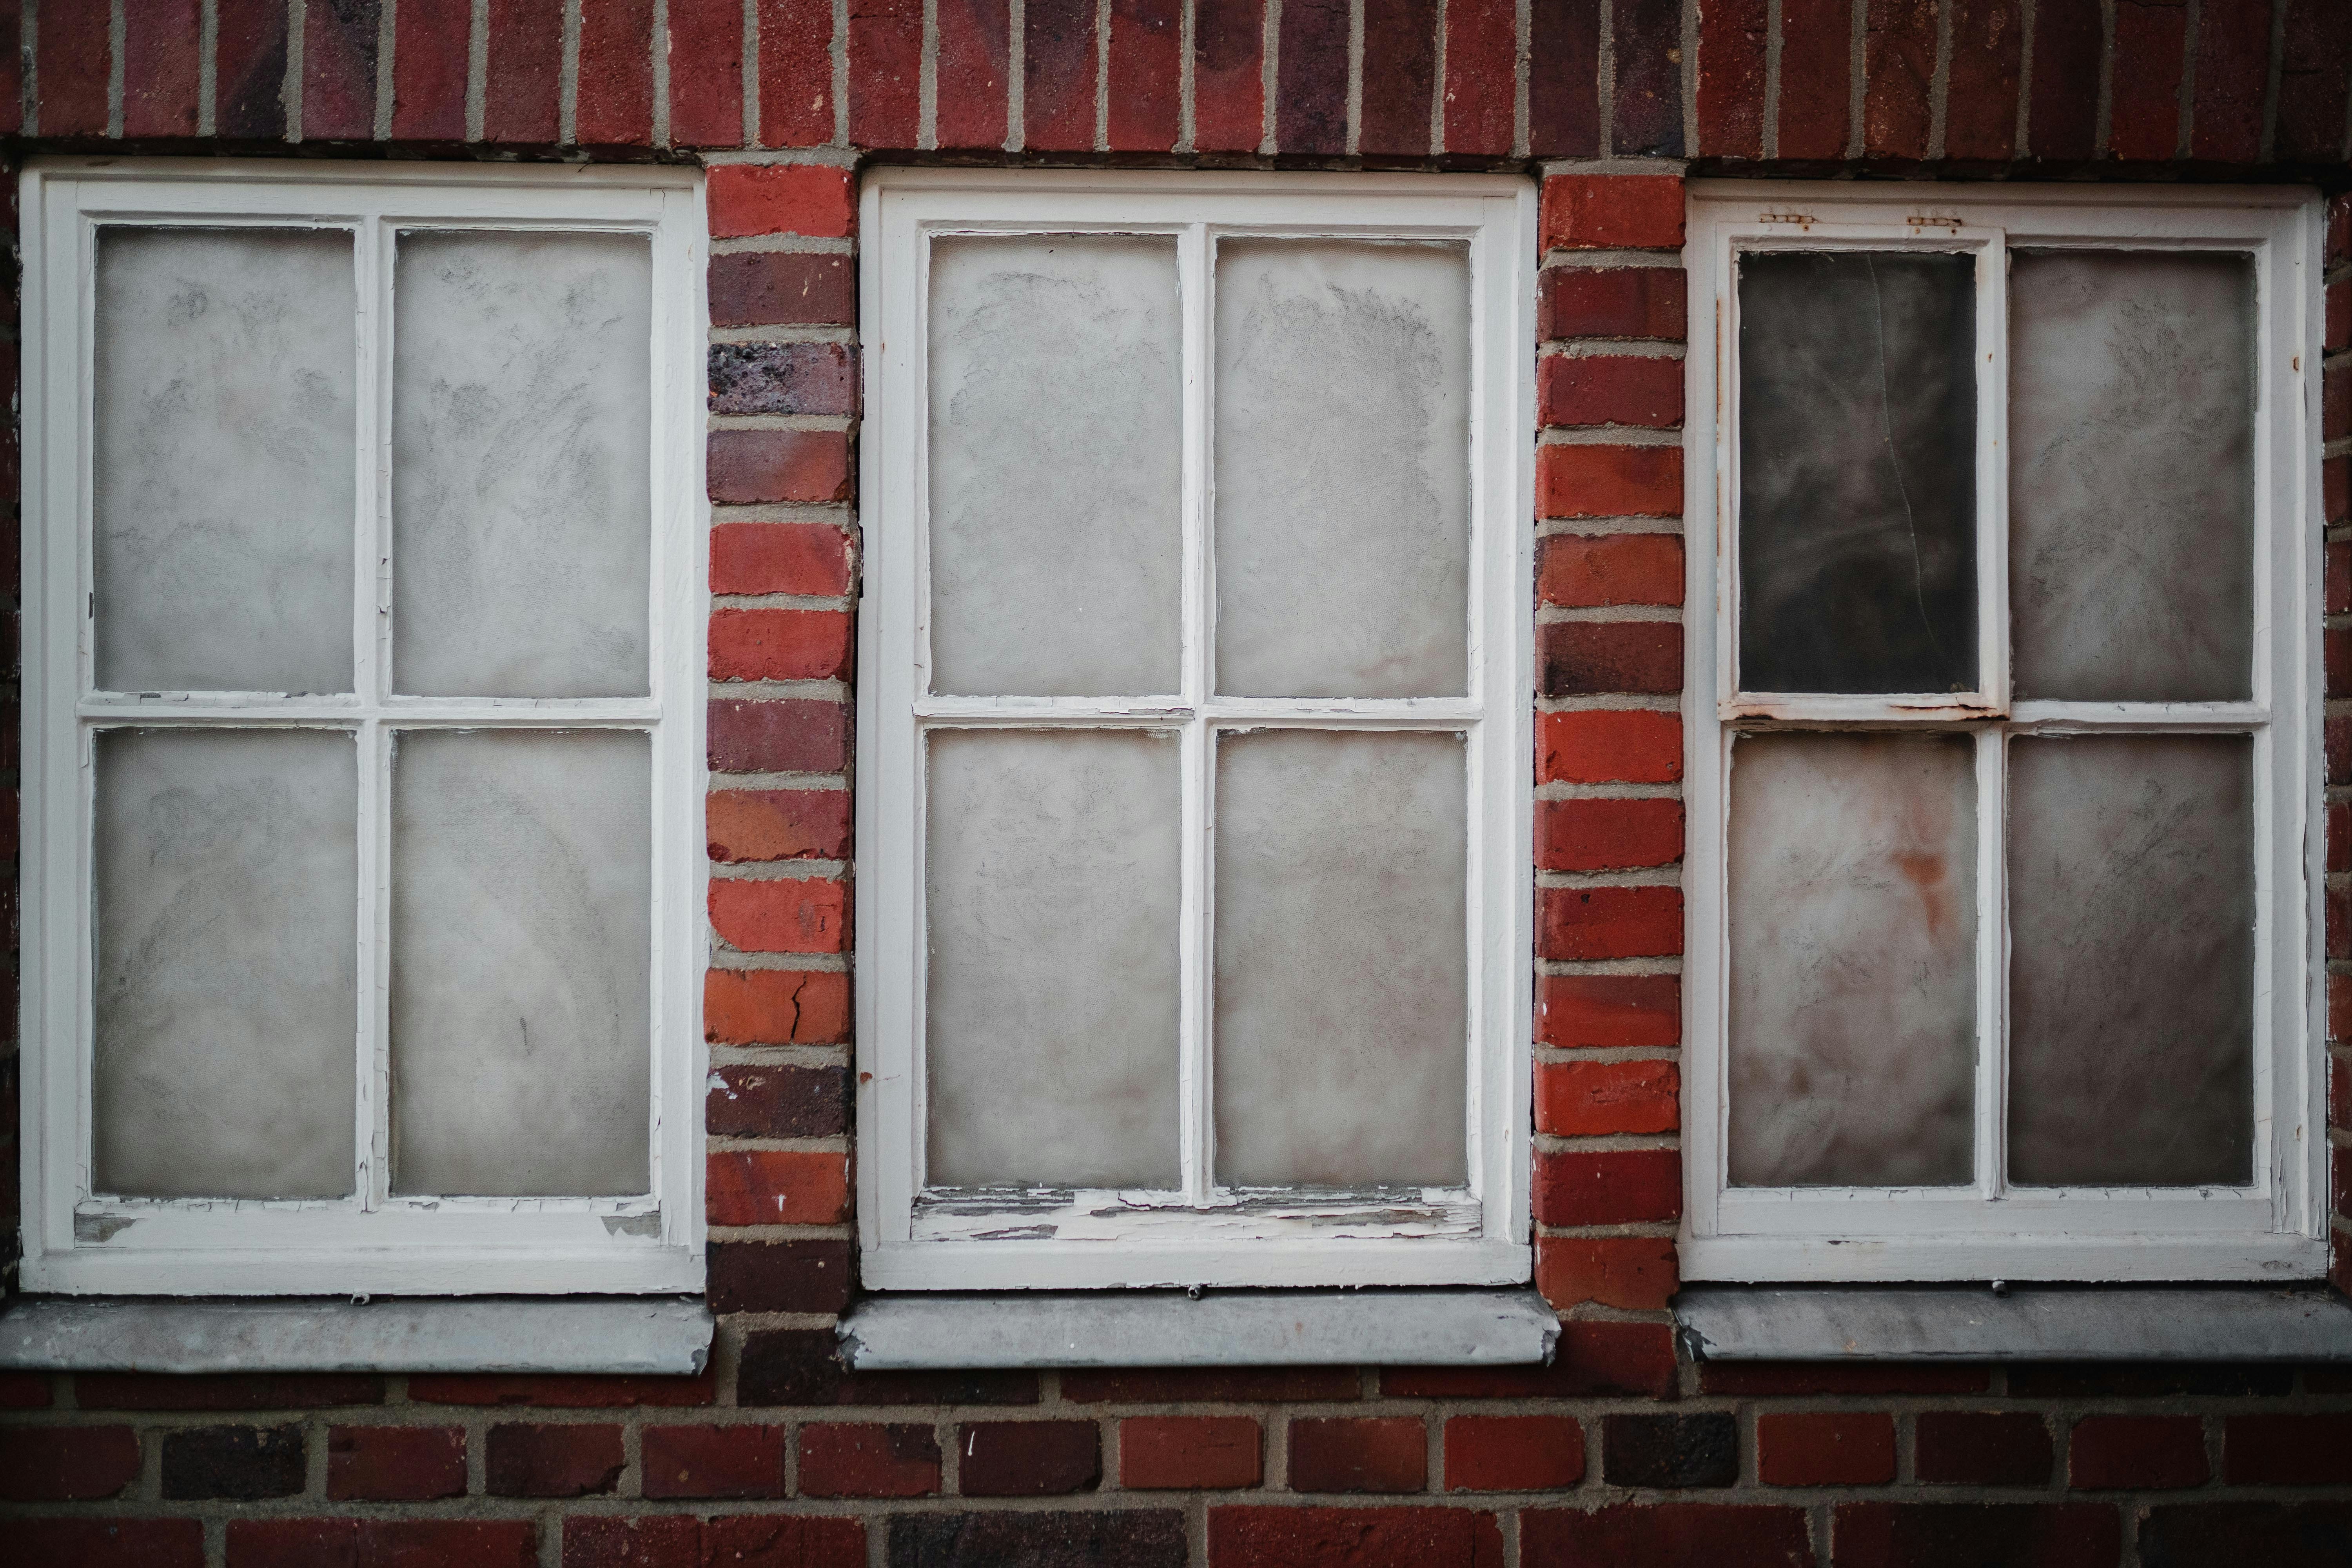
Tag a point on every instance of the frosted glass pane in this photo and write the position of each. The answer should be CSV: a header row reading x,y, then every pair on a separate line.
x,y
2131,980
225,979
1056,466
521,493
1342,976
1857,472
226,463
521,910
1052,873
2131,489
1342,433
1853,920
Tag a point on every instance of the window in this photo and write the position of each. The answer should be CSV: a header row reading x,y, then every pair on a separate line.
x,y
1194,806
363,712
2004,867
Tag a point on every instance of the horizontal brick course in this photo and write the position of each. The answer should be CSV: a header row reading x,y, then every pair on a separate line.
x,y
1665,1535
1250,1537
1911,1535
383,1542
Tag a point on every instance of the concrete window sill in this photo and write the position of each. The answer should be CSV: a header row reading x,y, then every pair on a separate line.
x,y
2031,1322
1236,1327
645,1335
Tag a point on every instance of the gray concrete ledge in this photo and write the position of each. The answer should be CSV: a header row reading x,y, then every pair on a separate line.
x,y
640,1334
1276,1328
2031,1322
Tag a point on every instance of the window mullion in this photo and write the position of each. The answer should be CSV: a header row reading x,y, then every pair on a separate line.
x,y
1198,752
1992,963
369,602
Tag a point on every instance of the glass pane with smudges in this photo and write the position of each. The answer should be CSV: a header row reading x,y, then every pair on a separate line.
x,y
1853,919
1857,472
2131,894
226,462
1342,974
225,979
1052,872
1342,429
521,950
1056,466
2131,487
522,453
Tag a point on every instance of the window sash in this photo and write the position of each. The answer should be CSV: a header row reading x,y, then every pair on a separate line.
x,y
372,1241
2271,1226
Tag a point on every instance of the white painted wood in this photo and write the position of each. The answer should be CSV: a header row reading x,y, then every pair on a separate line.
x,y
1005,1239
370,1242
2272,1228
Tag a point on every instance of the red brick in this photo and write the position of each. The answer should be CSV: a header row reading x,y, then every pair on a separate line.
x,y
885,47
518,98
2288,1450
430,47
775,1006
779,1276
1310,90
803,1367
1640,1273
1592,1358
2339,574
1947,1535
1057,39
777,824
160,53
1028,1458
2310,88
1613,1186
809,559
1223,1385
1604,1010
2061,122
1189,1453
1600,658
781,737
2339,1006
2336,401
731,1461
110,1543
2336,748
843,1460
2232,73
2339,1092
563,1459
1605,389
785,914
2336,650
1645,43
12,75
76,59
783,1541
974,56
1564,78
395,1464
1252,1537
562,1393
2145,116
671,1541
1980,100
338,50
227,1391
1731,42
1609,481
779,644
1899,65
1612,212
1607,835
1825,1448
1982,1448
2338,240
249,68
1816,55
23,1391
1665,1535
1611,302
2337,907
1228,81
749,466
1359,1454
1146,63
1481,49
1584,1099
775,1187
796,72
1399,74
2112,1453
1513,1453
1610,922
1615,745
812,199
2270,1534
65,1464
706,73
382,1543
782,287
614,106
746,1101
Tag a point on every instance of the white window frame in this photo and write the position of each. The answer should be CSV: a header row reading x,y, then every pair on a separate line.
x,y
1477,1234
2276,1227
373,1243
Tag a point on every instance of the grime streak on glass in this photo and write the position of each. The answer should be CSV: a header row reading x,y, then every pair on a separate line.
x,y
1051,930
2131,484
2132,953
1342,983
1055,453
1342,468
225,984
522,424
1857,472
521,942
225,459
1852,916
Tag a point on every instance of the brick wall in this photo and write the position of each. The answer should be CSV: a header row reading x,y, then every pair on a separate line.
x,y
1619,1452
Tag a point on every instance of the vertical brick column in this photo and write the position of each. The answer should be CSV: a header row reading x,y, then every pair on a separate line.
x,y
1608,765
2335,496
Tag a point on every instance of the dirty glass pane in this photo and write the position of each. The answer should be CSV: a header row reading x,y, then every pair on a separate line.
x,y
2131,486
226,461
1056,466
226,981
2131,914
1857,472
521,936
522,495
1052,876
1342,980
1853,920
1342,431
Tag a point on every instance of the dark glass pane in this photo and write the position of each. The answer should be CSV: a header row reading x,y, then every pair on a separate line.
x,y
1857,482
2131,890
